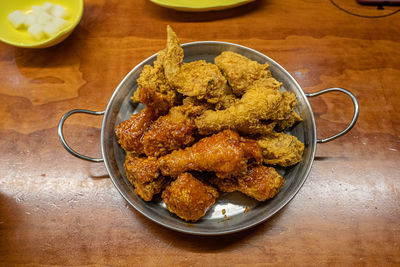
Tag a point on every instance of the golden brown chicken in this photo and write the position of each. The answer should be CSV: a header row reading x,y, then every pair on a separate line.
x,y
158,102
285,115
249,116
195,79
173,131
129,133
144,175
188,197
154,77
240,71
281,149
260,182
225,153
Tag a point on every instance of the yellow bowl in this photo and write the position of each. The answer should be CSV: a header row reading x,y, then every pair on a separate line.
x,y
21,37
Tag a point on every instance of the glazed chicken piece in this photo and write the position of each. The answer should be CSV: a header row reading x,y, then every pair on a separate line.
x,y
173,131
195,79
250,115
240,71
260,183
154,78
188,197
281,149
225,153
144,175
129,133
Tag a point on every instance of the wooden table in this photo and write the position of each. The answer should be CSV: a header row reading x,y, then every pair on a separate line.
x,y
58,210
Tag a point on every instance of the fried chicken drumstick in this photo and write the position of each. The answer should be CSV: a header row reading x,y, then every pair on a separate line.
x,y
225,153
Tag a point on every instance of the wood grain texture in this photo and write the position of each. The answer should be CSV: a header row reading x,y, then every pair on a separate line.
x,y
58,210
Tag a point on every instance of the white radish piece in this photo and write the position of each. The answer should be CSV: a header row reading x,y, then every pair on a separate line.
x,y
47,6
30,19
36,30
16,18
59,11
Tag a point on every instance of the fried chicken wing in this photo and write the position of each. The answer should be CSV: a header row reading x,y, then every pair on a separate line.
x,y
240,71
260,183
281,149
129,133
173,57
248,116
144,175
154,78
188,197
225,153
173,131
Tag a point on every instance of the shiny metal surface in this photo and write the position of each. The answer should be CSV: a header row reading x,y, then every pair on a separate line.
x,y
232,212
355,114
61,133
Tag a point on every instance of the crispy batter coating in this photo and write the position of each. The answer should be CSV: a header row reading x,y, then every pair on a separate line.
x,y
173,57
285,115
281,149
129,133
158,102
144,175
225,153
250,115
195,79
202,80
260,183
240,71
173,131
154,78
189,198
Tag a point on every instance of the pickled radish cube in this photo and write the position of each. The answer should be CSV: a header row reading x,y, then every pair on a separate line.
x,y
16,18
59,11
30,19
60,23
37,9
47,6
43,17
50,29
36,30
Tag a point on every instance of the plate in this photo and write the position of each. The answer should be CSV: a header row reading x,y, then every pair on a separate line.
x,y
232,212
200,6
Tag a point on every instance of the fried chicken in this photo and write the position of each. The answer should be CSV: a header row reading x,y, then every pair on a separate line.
x,y
154,78
144,175
249,116
195,79
240,71
188,197
260,183
285,115
158,102
173,131
173,57
129,133
281,149
225,153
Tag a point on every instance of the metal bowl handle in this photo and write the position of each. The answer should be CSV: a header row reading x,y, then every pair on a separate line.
x,y
61,134
355,114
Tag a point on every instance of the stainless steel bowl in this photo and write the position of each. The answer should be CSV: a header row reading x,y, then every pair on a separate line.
x,y
241,212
